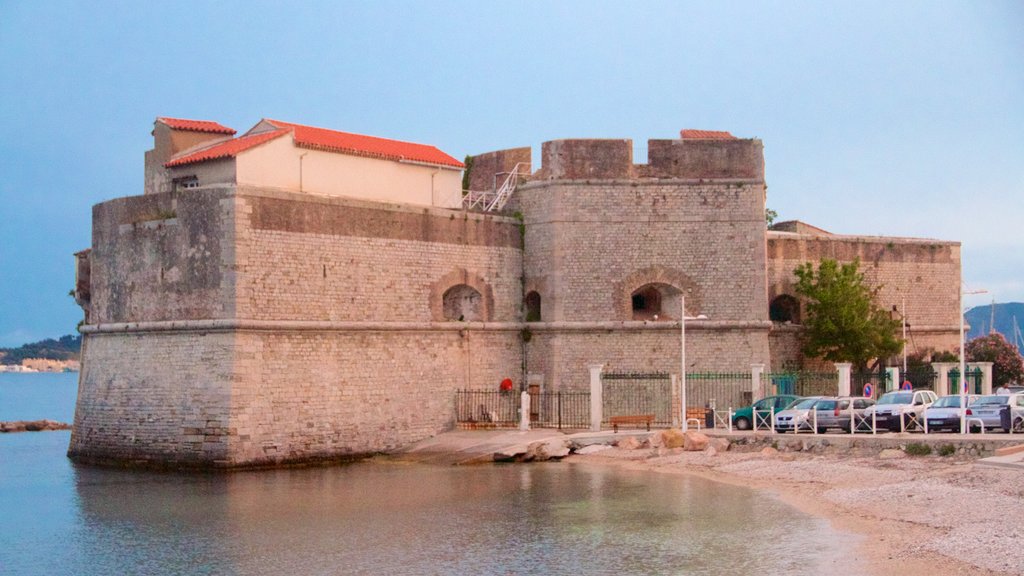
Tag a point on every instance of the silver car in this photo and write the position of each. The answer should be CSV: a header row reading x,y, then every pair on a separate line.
x,y
836,413
796,416
989,409
944,414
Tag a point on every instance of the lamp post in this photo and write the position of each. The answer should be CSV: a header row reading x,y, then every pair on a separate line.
x,y
682,360
963,364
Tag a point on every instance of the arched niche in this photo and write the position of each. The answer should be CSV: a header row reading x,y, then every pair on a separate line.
x,y
784,308
532,303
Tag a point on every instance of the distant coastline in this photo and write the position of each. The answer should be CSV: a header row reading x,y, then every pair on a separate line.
x,y
49,355
39,366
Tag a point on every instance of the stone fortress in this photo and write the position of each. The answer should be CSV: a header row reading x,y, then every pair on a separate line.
x,y
297,294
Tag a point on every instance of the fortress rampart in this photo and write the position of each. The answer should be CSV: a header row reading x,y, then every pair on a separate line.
x,y
234,325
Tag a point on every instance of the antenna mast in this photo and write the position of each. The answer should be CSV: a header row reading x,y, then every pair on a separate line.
x,y
992,317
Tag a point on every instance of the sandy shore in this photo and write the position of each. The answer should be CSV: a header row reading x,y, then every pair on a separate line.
x,y
919,515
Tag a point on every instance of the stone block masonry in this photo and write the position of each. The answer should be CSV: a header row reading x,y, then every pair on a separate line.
x,y
234,326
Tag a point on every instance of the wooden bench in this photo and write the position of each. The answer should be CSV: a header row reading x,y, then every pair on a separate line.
x,y
645,419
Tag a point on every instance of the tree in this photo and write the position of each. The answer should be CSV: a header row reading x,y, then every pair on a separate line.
x,y
1007,365
770,216
842,322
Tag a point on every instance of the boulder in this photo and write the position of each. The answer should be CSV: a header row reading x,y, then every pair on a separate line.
x,y
628,443
694,441
552,450
593,449
891,454
769,451
720,444
672,438
510,454
33,426
655,440
711,451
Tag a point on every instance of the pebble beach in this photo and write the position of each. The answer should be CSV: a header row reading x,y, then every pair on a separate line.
x,y
916,514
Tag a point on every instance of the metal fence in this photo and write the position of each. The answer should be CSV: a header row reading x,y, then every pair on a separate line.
x,y
974,379
570,409
720,390
486,408
637,393
879,383
922,378
801,383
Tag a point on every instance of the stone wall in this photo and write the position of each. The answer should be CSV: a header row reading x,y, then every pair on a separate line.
x,y
923,272
156,398
250,327
589,245
161,257
563,352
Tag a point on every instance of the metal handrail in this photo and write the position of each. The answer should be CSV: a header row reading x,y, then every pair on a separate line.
x,y
507,187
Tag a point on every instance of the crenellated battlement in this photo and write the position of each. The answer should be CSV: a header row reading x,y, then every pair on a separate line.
x,y
719,156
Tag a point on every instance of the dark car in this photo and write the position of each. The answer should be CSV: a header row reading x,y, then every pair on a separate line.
x,y
743,419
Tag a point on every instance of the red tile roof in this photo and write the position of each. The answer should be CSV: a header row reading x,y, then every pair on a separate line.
x,y
226,149
196,125
689,134
346,143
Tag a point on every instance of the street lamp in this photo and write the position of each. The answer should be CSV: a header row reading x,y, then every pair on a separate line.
x,y
963,363
682,356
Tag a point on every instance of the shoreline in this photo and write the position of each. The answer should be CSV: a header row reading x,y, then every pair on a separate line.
x,y
908,512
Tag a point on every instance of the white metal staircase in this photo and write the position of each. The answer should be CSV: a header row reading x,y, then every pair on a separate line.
x,y
493,201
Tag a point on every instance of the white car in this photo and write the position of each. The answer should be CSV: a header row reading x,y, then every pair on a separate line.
x,y
908,405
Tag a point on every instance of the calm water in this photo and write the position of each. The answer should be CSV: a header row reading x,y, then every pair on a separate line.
x,y
377,517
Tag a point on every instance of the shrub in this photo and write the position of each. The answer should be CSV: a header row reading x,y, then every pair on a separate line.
x,y
947,450
916,449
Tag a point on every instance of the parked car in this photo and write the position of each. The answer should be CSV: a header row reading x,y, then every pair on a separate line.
x,y
836,413
989,409
743,419
944,414
1013,414
906,404
796,416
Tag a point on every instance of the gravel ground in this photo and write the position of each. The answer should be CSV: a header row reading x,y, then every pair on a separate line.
x,y
936,512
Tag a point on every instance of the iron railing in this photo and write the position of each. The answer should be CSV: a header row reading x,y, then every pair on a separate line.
x,y
974,379
802,383
487,408
637,393
718,389
879,383
922,378
562,410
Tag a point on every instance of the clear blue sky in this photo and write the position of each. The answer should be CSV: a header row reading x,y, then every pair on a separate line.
x,y
878,118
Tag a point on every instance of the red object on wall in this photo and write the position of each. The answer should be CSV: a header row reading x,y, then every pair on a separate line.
x,y
506,385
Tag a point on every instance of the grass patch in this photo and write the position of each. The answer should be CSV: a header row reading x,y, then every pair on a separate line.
x,y
916,449
947,450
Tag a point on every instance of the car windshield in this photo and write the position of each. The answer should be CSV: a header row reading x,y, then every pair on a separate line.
x,y
825,405
804,404
947,402
991,400
896,398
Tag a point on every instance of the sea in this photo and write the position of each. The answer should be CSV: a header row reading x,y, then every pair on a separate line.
x,y
379,516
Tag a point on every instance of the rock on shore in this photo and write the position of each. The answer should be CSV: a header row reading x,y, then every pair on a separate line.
x,y
33,426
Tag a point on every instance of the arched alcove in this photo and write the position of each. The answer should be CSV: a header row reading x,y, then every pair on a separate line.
x,y
784,308
532,303
463,303
656,301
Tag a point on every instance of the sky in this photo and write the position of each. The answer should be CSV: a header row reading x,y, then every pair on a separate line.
x,y
878,118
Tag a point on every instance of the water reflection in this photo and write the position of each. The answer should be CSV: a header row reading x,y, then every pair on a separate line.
x,y
384,517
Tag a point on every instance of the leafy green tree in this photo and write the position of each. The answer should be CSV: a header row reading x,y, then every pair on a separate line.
x,y
770,216
1007,365
842,322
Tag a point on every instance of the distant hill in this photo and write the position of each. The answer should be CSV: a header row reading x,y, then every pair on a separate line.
x,y
980,319
65,348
